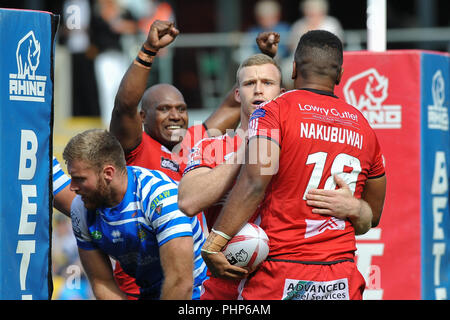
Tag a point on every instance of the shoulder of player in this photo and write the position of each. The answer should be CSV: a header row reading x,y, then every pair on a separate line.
x,y
363,123
199,126
78,213
361,118
208,141
150,183
77,206
148,175
280,99
143,148
194,133
148,141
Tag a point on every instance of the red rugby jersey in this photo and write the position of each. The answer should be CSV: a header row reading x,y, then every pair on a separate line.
x,y
151,154
319,135
211,152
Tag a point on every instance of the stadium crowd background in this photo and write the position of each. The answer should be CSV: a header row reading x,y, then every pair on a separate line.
x,y
215,36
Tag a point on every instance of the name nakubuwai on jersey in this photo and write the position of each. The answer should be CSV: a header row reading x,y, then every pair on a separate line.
x,y
133,231
320,135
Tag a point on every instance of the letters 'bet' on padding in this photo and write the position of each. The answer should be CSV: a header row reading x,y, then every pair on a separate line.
x,y
26,125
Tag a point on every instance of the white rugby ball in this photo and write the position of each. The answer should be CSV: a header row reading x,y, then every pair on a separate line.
x,y
248,248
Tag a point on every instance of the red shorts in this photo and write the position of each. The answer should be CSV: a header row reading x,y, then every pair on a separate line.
x,y
220,289
126,283
276,280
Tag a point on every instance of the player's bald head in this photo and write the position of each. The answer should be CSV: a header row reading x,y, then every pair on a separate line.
x,y
158,93
319,53
164,114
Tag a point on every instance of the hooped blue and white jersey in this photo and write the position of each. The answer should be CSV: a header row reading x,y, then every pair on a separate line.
x,y
60,179
133,231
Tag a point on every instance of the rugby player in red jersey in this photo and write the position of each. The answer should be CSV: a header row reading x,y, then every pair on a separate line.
x,y
258,80
305,140
214,162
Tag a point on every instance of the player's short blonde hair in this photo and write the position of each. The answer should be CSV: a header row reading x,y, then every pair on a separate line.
x,y
96,147
258,59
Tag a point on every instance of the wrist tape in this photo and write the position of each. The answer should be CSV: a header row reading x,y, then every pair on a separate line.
x,y
145,58
215,242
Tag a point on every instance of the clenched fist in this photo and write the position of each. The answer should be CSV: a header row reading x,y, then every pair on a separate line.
x,y
161,34
268,42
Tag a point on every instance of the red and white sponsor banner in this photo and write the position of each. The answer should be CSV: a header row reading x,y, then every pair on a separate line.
x,y
386,88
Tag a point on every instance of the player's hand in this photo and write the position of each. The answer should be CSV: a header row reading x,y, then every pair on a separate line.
x,y
268,42
339,203
161,34
219,267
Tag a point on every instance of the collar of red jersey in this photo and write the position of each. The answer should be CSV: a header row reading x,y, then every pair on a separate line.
x,y
325,93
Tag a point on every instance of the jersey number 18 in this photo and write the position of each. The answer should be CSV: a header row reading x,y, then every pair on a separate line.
x,y
340,162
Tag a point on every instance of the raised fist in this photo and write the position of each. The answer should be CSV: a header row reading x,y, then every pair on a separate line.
x,y
161,34
268,42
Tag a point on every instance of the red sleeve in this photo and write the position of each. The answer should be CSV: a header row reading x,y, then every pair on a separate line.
x,y
378,167
201,155
193,135
211,152
265,122
181,151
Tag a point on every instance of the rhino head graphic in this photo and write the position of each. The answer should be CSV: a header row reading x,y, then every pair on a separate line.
x,y
27,56
366,90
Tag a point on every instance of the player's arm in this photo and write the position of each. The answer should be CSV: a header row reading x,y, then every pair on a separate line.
x,y
63,200
126,122
374,193
244,199
364,213
177,262
227,115
173,232
62,195
99,271
202,187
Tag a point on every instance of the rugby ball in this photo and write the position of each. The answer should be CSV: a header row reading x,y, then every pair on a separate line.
x,y
248,248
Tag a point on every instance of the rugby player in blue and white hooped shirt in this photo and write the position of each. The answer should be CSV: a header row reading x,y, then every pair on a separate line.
x,y
131,214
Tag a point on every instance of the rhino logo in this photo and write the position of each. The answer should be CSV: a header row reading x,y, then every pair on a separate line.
x,y
26,85
240,256
368,91
438,112
27,55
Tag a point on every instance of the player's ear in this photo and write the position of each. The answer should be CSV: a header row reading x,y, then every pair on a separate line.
x,y
294,71
339,77
142,114
108,172
237,95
